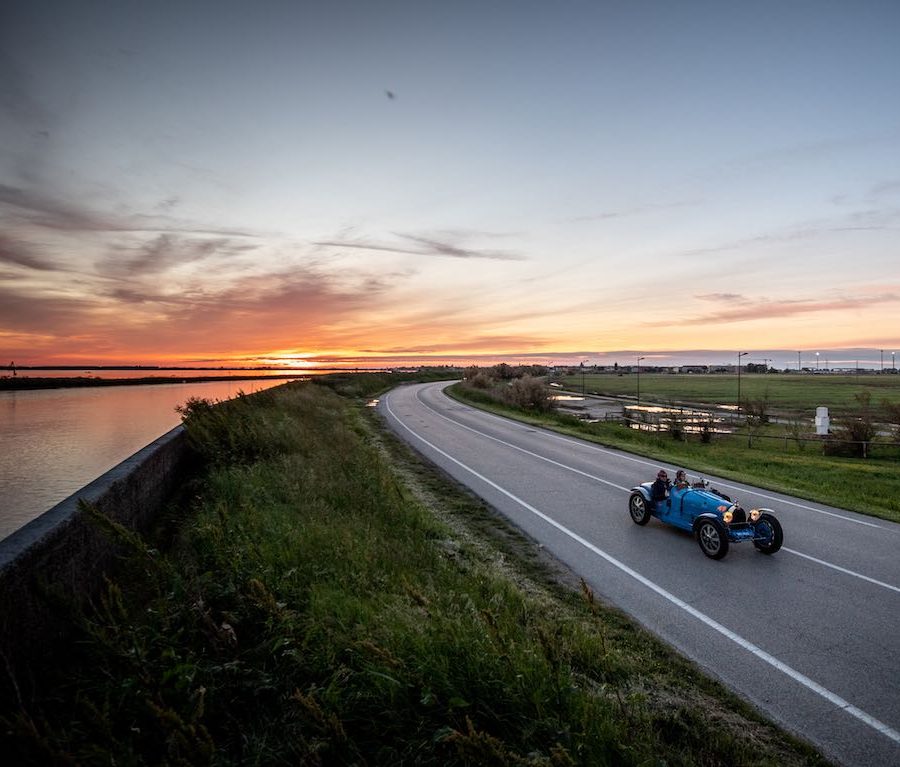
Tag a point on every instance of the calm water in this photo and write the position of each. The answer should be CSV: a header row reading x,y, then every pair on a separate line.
x,y
157,373
54,442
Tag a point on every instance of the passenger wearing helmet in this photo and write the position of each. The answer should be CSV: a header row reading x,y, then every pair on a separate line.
x,y
659,490
681,480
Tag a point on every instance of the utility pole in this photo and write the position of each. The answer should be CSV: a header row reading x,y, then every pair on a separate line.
x,y
740,354
639,379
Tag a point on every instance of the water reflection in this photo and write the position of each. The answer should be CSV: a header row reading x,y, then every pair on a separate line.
x,y
55,441
660,418
162,373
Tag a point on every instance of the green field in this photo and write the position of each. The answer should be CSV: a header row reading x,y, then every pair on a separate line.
x,y
785,393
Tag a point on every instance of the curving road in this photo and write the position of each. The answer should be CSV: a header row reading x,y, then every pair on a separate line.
x,y
810,635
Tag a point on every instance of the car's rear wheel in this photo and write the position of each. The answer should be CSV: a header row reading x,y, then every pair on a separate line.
x,y
769,533
713,538
639,509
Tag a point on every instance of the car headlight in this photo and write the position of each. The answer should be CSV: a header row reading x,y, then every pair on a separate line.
x,y
728,516
754,515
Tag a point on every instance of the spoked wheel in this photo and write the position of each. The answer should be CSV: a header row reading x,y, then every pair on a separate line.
x,y
713,538
639,509
769,532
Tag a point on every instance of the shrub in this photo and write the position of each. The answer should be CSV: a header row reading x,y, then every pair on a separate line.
x,y
529,394
856,430
795,428
706,431
892,413
676,424
480,381
756,411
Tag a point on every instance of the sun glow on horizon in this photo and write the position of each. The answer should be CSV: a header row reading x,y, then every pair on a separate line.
x,y
315,223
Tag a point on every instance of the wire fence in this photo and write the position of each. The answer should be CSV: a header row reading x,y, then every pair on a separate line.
x,y
725,428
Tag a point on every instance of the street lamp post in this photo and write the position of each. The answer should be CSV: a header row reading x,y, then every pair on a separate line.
x,y
639,379
740,354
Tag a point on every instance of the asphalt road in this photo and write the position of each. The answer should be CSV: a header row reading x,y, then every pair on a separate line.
x,y
810,635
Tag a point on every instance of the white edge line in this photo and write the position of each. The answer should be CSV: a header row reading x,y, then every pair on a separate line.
x,y
745,644
626,489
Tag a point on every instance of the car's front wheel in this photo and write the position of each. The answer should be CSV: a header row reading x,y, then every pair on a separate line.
x,y
639,509
713,538
769,534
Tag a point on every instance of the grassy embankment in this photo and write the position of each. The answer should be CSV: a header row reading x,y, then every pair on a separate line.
x,y
867,485
322,597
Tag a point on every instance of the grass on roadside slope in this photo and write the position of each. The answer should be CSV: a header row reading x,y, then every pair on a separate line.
x,y
867,485
312,609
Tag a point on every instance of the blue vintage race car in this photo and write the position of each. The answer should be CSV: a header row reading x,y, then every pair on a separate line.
x,y
711,516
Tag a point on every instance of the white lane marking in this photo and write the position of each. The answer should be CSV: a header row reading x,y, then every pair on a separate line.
x,y
841,569
743,643
644,462
522,449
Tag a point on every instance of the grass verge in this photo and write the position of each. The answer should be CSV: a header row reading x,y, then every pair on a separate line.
x,y
866,485
326,598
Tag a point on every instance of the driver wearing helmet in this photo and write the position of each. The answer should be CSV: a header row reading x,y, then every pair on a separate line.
x,y
659,490
681,480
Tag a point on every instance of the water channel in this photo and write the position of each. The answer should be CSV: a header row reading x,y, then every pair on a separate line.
x,y
53,442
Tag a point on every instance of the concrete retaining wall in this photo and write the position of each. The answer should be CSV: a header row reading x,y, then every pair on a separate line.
x,y
61,556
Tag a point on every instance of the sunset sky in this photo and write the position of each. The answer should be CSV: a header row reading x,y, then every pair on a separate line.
x,y
371,183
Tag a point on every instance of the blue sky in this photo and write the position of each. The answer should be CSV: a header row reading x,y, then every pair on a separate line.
x,y
357,181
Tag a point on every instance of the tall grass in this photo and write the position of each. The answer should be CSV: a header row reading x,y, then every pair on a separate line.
x,y
312,610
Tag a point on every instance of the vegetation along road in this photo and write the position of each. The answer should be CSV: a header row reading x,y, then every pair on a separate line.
x,y
809,635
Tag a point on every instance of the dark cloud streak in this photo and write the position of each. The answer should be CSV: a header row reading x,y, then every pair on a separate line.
x,y
53,214
748,311
169,250
861,221
427,246
638,210
19,254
